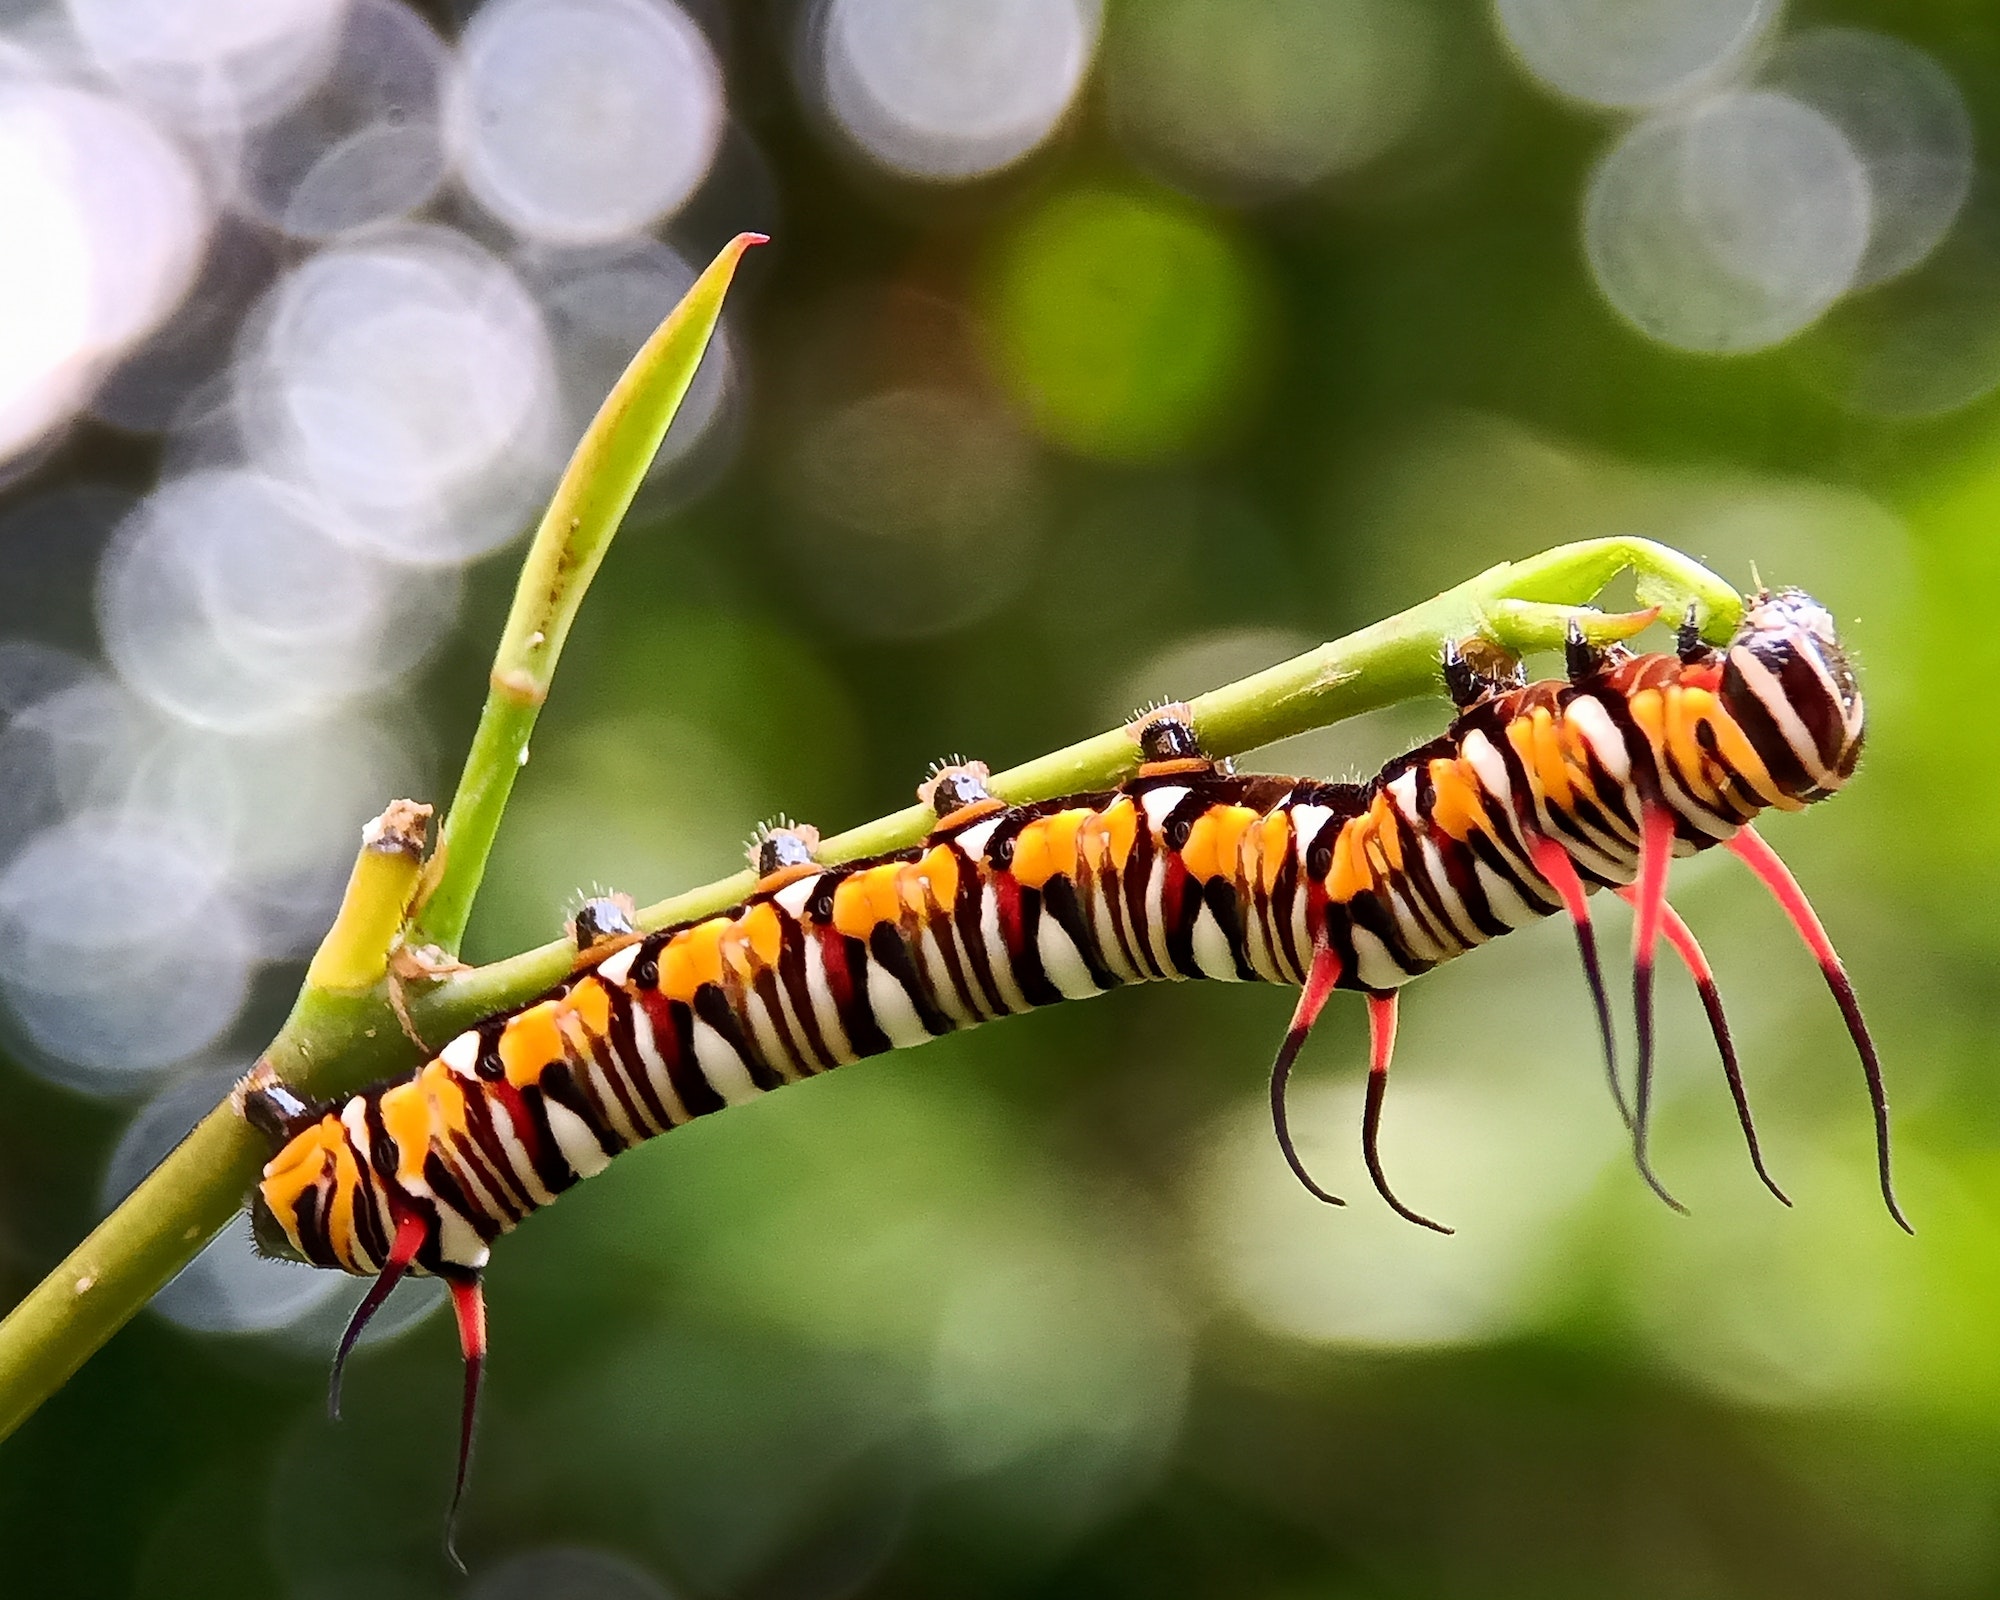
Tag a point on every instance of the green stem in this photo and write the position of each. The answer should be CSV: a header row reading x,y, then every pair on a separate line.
x,y
576,530
334,1043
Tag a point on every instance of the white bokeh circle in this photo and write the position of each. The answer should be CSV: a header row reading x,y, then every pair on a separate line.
x,y
233,601
952,89
1730,225
106,223
1632,53
1907,121
216,66
121,951
405,377
582,120
367,143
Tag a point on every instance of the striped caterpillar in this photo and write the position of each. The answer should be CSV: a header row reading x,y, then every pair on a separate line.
x,y
1537,795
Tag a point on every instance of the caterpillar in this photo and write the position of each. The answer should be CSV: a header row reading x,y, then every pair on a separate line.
x,y
1537,795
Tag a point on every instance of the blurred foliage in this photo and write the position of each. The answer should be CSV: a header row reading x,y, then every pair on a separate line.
x,y
1036,1311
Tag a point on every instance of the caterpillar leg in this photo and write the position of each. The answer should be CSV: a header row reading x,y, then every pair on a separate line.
x,y
1382,1046
1681,937
411,1231
1325,973
1554,864
1761,859
469,1304
1656,847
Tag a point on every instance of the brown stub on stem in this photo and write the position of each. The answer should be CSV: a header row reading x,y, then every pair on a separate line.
x,y
400,830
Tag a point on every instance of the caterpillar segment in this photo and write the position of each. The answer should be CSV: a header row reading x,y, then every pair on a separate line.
x,y
1537,795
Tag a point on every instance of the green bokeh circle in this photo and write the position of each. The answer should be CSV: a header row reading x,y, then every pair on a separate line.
x,y
1127,327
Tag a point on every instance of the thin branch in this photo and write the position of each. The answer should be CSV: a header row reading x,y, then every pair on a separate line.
x,y
334,1043
576,530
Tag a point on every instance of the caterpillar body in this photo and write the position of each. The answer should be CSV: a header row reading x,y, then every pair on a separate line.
x,y
1537,795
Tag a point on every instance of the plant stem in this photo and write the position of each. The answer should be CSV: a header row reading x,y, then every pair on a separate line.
x,y
335,1042
576,530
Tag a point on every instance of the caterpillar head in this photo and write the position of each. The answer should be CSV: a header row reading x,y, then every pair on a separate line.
x,y
1789,685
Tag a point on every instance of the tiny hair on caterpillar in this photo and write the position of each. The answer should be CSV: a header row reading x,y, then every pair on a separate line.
x,y
1538,795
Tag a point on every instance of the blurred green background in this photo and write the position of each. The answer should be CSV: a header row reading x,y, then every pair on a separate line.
x,y
1231,326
